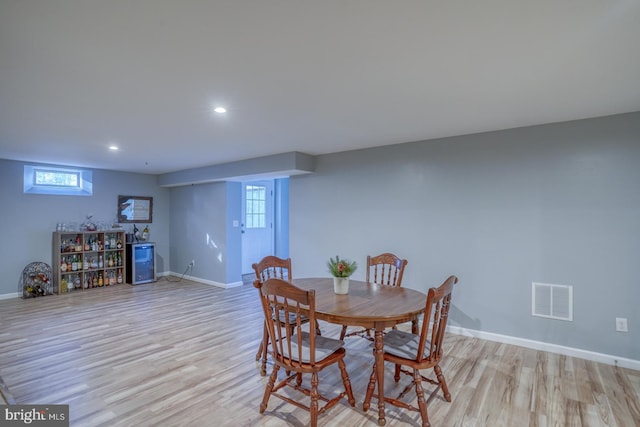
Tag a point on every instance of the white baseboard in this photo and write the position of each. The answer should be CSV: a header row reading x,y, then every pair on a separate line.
x,y
608,359
10,295
206,282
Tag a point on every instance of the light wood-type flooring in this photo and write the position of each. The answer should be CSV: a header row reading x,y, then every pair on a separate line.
x,y
178,353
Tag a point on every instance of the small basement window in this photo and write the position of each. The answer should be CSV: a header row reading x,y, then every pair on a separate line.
x,y
57,181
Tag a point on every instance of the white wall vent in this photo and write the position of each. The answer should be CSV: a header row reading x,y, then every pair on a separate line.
x,y
552,301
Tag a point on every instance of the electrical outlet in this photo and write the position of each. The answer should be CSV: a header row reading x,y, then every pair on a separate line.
x,y
621,324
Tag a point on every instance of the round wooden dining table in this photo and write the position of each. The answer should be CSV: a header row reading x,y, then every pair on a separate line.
x,y
370,306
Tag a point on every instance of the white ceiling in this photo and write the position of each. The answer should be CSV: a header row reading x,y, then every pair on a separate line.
x,y
298,75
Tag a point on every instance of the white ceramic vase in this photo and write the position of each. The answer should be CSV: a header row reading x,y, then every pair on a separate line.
x,y
341,285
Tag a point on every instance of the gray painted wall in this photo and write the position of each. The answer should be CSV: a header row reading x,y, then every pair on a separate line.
x,y
281,220
28,220
234,237
558,203
198,231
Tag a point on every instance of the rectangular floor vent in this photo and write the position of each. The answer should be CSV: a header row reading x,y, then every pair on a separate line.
x,y
552,301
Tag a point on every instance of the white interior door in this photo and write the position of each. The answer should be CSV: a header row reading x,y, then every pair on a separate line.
x,y
257,222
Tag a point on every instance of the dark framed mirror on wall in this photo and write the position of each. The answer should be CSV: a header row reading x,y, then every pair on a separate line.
x,y
135,209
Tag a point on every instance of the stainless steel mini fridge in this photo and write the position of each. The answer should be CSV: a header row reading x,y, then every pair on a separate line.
x,y
141,263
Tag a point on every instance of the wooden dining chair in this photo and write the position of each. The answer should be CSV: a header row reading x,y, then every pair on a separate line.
x,y
296,350
385,269
271,267
411,352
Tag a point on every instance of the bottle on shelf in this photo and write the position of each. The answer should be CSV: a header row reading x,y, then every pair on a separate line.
x,y
63,264
100,279
119,275
100,262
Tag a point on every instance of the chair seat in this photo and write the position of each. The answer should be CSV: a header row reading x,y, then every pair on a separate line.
x,y
325,347
402,344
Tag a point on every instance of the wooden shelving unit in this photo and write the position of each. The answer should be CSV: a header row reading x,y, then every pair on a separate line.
x,y
88,259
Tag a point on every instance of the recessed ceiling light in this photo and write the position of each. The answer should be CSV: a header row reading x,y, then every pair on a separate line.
x,y
113,147
220,110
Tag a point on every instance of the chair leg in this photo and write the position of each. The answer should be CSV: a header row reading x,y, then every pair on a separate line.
x,y
313,408
370,388
396,373
265,345
259,353
347,382
261,348
343,332
422,403
269,388
443,383
318,331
